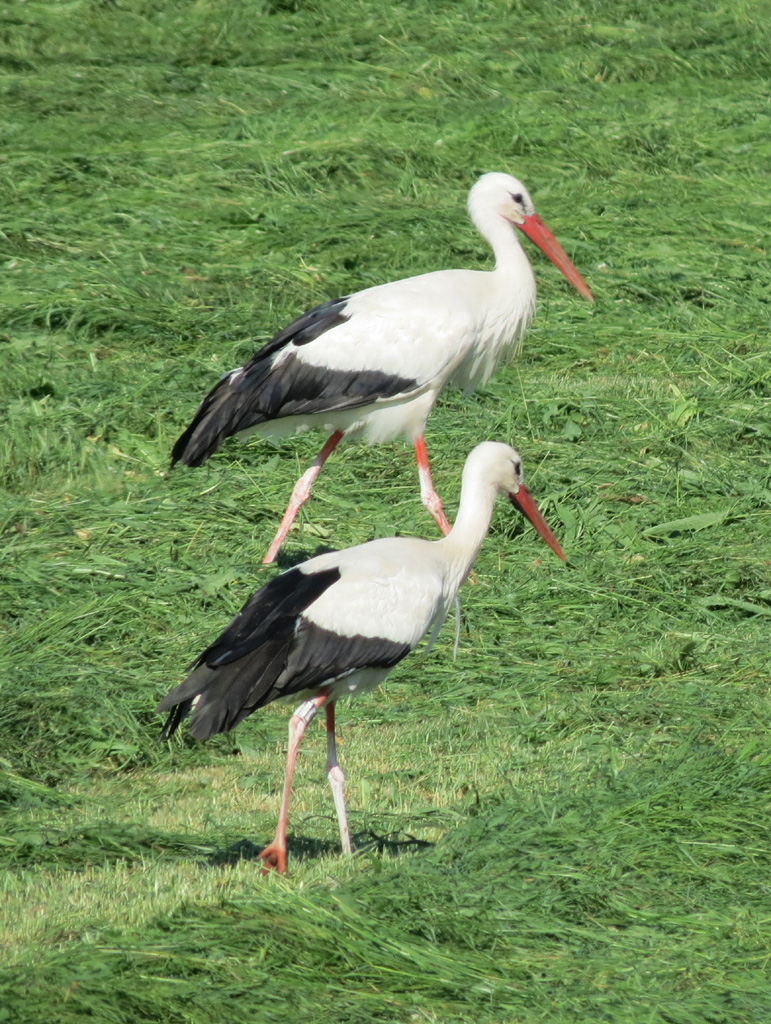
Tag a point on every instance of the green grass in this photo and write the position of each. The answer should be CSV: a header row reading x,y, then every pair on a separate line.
x,y
567,822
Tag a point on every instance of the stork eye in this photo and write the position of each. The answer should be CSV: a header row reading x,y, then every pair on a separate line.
x,y
518,468
516,196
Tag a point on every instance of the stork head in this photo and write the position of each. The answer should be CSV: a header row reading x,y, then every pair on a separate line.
x,y
504,196
501,466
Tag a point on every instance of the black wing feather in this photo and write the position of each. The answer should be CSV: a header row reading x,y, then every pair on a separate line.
x,y
262,391
319,655
260,635
308,327
270,650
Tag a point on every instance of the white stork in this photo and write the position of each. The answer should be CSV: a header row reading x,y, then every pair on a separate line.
x,y
337,624
373,363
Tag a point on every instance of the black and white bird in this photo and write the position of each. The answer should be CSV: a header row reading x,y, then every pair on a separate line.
x,y
337,624
372,364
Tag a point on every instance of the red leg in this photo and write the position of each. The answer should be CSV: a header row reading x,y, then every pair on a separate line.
x,y
428,495
336,780
274,854
300,495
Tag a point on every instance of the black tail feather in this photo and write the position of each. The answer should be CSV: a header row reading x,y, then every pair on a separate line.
x,y
221,698
176,716
219,415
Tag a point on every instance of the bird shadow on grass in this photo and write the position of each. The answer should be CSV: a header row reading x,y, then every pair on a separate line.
x,y
302,848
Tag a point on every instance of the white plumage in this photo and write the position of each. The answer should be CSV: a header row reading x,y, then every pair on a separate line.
x,y
372,364
338,623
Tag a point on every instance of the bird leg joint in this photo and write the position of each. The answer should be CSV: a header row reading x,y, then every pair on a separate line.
x,y
307,710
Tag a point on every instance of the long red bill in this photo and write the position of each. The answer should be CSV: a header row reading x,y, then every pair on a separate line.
x,y
525,504
537,232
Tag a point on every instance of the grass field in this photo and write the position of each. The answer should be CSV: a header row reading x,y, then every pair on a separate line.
x,y
569,821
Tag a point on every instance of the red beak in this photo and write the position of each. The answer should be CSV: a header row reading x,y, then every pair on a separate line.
x,y
537,232
525,504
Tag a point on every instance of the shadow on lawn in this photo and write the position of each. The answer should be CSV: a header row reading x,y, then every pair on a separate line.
x,y
300,847
82,846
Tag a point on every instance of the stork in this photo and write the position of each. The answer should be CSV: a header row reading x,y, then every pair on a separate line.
x,y
336,625
371,364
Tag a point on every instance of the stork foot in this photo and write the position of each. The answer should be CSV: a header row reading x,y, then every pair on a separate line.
x,y
275,859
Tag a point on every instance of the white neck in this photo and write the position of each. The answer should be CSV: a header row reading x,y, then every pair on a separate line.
x,y
461,546
501,236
